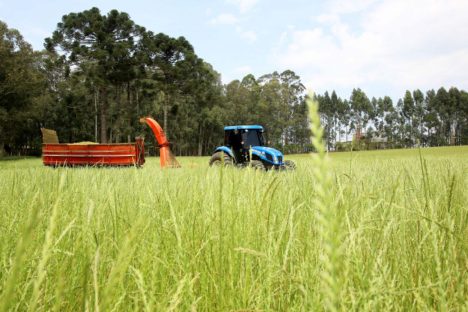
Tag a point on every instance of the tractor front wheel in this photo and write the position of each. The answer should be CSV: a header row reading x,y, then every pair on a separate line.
x,y
257,165
289,165
219,158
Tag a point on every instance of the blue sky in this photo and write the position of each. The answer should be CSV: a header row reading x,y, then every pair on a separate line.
x,y
381,46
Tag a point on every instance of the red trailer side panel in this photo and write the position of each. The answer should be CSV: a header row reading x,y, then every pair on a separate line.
x,y
94,154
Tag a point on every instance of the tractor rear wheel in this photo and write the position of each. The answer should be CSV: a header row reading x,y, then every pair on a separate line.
x,y
257,165
289,165
217,159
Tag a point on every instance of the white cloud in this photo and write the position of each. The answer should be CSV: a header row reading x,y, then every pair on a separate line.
x,y
347,6
224,19
248,35
399,45
228,19
244,5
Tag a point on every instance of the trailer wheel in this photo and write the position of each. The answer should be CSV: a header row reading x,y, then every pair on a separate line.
x,y
218,158
257,165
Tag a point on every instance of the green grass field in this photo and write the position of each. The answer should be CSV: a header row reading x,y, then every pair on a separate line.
x,y
386,230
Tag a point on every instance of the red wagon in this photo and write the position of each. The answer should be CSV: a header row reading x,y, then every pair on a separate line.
x,y
93,154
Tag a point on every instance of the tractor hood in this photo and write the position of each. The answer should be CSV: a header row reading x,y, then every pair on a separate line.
x,y
268,154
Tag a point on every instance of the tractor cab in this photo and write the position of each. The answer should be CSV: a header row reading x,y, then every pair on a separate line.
x,y
240,139
245,145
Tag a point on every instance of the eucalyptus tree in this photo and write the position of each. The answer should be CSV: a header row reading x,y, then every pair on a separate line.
x,y
272,110
431,119
408,110
361,109
251,90
378,115
335,114
455,115
275,100
440,105
463,117
419,111
326,112
387,118
293,94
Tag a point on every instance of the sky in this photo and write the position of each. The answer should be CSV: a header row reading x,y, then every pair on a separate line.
x,y
383,47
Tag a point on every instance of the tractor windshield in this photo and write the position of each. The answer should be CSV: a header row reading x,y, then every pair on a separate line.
x,y
252,138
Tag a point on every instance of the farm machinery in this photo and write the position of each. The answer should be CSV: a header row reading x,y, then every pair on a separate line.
x,y
245,146
94,154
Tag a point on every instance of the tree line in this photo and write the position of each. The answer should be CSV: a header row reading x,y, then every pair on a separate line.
x,y
433,118
99,73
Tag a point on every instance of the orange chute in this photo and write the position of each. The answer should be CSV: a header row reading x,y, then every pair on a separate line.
x,y
166,158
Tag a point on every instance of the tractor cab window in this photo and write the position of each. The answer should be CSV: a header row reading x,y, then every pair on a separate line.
x,y
233,139
252,138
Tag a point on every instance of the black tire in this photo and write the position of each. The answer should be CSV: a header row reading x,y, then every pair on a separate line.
x,y
218,158
257,165
289,165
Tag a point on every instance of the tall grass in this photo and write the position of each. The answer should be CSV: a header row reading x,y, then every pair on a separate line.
x,y
329,225
363,231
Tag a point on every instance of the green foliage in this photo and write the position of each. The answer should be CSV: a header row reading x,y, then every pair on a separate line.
x,y
277,102
103,48
21,82
438,118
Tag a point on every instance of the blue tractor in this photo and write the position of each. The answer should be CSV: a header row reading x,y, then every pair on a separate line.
x,y
245,146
